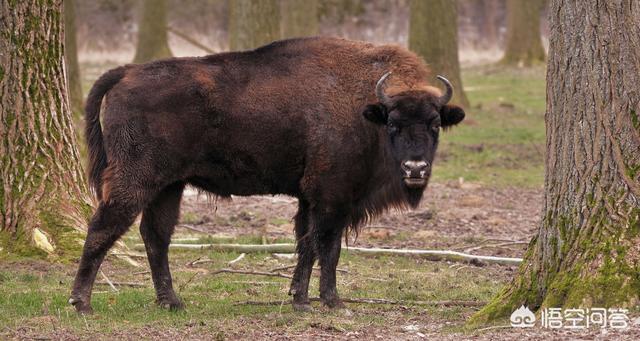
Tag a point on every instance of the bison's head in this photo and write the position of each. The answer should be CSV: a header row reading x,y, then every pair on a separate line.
x,y
413,121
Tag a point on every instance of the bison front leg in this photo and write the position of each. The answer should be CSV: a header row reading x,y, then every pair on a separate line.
x,y
328,238
306,257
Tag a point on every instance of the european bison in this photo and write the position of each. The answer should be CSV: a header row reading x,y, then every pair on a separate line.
x,y
348,128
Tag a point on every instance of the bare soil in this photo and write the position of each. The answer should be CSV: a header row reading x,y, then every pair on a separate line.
x,y
453,215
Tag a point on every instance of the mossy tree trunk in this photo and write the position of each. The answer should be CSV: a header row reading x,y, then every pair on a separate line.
x,y
524,42
587,249
44,201
152,32
298,18
253,23
433,34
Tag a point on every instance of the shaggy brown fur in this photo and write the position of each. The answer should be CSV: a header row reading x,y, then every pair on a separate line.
x,y
296,117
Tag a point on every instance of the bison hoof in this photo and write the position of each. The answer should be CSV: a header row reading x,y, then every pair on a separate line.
x,y
82,307
171,305
302,307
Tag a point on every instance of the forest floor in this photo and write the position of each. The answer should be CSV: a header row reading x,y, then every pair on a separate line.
x,y
485,199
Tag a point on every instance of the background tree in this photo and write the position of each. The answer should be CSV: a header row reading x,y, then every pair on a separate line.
x,y
152,32
298,18
43,197
524,43
253,23
433,34
586,252
71,62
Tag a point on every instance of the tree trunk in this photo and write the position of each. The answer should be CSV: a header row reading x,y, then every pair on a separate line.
x,y
433,34
253,23
587,249
152,32
43,197
524,44
299,18
71,61
72,68
490,25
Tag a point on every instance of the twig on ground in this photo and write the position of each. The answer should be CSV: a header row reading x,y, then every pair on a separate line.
x,y
251,272
283,268
123,284
449,303
194,262
142,272
237,259
192,228
184,285
433,255
106,279
476,248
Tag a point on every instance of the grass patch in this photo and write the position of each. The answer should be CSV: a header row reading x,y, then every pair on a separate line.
x,y
29,296
502,140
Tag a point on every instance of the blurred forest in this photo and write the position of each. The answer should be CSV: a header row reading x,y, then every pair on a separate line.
x,y
111,27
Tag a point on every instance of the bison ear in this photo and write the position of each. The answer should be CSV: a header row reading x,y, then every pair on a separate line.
x,y
376,113
451,115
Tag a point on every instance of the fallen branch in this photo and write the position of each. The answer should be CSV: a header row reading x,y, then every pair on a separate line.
x,y
192,228
451,303
476,248
433,255
239,248
237,259
251,272
314,268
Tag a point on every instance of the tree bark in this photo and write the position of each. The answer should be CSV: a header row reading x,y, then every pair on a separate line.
x,y
253,23
43,197
152,32
299,18
524,42
433,34
587,249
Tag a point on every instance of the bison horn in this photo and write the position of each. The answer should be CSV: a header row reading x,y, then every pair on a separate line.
x,y
444,99
382,97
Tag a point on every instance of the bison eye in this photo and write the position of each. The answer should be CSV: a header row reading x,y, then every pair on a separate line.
x,y
393,129
435,128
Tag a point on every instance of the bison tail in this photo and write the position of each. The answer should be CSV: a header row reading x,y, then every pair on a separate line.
x,y
93,128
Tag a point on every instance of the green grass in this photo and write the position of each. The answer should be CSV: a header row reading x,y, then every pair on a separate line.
x,y
502,141
28,295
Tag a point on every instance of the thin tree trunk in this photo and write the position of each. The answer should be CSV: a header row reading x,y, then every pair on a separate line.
x,y
152,32
524,42
43,197
71,61
587,249
253,23
299,18
72,68
433,34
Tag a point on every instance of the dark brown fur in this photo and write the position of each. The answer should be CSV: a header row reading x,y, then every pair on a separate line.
x,y
282,119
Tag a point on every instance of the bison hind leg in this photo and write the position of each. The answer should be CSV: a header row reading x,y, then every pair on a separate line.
x,y
158,221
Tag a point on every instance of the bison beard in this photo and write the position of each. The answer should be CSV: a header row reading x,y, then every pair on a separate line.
x,y
310,118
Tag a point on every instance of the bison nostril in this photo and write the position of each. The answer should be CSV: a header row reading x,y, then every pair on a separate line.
x,y
420,167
